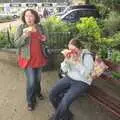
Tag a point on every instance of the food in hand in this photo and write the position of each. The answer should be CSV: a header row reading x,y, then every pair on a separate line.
x,y
28,29
71,55
65,52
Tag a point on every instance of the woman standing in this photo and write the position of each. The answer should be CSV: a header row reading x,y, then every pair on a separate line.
x,y
28,40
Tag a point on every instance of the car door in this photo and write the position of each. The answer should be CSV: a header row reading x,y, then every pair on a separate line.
x,y
71,17
87,13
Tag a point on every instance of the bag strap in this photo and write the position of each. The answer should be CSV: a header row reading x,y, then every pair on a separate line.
x,y
93,54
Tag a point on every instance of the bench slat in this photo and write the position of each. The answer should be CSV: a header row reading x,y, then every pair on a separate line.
x,y
112,66
107,77
110,103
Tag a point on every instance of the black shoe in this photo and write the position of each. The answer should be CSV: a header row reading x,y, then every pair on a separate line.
x,y
34,101
40,96
30,107
71,116
68,116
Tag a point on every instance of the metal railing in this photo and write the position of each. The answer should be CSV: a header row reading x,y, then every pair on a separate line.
x,y
58,40
55,40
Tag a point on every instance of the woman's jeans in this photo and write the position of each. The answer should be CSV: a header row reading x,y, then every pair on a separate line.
x,y
63,94
33,83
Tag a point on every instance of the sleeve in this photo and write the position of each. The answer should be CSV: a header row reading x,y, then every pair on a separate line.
x,y
87,66
42,30
19,38
65,66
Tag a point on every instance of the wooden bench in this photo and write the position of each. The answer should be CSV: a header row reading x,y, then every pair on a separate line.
x,y
102,97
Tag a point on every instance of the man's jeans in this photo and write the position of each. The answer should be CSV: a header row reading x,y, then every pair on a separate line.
x,y
63,94
33,83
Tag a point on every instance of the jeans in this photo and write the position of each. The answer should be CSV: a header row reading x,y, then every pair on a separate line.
x,y
33,88
63,94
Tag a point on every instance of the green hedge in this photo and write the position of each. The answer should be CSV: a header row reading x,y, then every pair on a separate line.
x,y
59,33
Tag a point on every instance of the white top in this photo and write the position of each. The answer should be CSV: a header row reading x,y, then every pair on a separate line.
x,y
80,71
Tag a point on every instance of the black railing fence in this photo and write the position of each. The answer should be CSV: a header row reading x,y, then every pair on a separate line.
x,y
55,40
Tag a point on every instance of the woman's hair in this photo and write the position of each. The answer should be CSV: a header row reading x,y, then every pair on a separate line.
x,y
37,18
76,43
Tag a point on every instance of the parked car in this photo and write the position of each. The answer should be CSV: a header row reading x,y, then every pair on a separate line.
x,y
86,6
75,14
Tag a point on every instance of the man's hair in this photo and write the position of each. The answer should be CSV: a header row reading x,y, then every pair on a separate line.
x,y
76,43
37,18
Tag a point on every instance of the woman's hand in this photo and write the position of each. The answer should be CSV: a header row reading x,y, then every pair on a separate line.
x,y
65,52
26,33
43,38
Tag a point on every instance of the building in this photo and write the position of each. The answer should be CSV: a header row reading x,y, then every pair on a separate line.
x,y
38,1
18,6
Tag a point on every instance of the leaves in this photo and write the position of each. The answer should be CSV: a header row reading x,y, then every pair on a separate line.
x,y
89,31
7,37
116,56
113,42
111,24
89,27
54,24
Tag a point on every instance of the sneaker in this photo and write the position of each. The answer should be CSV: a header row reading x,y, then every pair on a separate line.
x,y
41,97
30,107
68,116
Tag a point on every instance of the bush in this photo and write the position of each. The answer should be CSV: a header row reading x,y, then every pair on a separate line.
x,y
89,32
103,10
3,40
107,3
111,24
112,41
116,42
116,56
11,31
103,51
115,75
54,24
7,37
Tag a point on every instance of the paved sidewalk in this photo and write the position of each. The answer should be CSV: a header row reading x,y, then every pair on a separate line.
x,y
13,104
